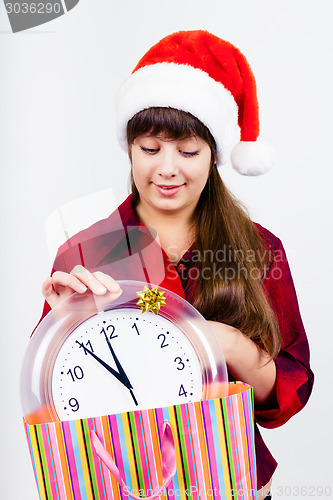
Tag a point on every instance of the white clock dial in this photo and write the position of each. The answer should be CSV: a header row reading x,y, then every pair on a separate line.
x,y
157,366
93,356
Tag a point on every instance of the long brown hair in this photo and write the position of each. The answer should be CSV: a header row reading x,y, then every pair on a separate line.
x,y
231,257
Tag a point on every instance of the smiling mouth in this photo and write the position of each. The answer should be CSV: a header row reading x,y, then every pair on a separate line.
x,y
167,189
165,186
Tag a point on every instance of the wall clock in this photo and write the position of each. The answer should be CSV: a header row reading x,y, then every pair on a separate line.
x,y
91,356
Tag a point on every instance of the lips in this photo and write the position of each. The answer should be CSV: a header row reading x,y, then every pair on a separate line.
x,y
168,190
162,186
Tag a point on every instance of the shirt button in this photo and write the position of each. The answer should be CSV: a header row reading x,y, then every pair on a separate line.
x,y
181,268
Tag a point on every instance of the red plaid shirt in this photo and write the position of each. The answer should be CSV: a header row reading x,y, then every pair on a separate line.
x,y
124,248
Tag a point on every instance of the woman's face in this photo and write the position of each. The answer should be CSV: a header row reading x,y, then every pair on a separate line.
x,y
170,174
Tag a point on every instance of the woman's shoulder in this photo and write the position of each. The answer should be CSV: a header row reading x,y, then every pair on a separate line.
x,y
119,217
269,238
100,234
274,248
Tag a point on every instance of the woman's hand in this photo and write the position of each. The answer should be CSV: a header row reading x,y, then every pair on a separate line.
x,y
247,362
61,285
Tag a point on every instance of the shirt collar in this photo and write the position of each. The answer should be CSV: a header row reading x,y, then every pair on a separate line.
x,y
126,221
128,214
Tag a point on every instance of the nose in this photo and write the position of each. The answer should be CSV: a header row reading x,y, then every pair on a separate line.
x,y
167,166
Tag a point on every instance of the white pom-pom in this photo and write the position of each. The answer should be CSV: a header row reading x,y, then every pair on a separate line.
x,y
252,158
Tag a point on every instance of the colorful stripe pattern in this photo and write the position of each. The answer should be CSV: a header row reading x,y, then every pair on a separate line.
x,y
214,442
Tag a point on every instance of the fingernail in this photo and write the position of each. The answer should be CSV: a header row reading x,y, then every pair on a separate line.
x,y
100,289
82,288
114,287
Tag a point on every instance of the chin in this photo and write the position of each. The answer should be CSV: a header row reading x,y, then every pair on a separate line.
x,y
167,206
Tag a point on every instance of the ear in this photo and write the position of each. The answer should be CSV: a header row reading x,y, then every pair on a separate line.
x,y
214,161
215,157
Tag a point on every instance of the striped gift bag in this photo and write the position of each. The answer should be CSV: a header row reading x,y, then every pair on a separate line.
x,y
202,450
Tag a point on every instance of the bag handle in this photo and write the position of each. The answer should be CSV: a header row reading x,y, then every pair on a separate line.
x,y
168,453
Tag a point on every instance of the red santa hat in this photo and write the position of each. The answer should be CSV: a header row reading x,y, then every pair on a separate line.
x,y
197,72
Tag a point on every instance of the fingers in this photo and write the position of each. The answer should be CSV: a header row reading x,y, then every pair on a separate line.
x,y
109,283
48,291
52,296
61,284
98,282
61,280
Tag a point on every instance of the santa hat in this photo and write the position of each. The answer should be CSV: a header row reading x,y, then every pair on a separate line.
x,y
197,72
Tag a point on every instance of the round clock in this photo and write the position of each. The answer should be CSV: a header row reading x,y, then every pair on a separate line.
x,y
147,349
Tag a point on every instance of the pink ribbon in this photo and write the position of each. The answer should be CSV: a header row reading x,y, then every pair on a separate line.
x,y
168,461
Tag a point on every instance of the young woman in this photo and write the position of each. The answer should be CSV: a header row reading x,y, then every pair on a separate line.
x,y
182,229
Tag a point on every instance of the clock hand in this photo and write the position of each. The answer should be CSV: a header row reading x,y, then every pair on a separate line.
x,y
109,368
120,377
120,368
134,398
116,360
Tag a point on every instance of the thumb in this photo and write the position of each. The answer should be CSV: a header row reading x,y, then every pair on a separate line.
x,y
51,297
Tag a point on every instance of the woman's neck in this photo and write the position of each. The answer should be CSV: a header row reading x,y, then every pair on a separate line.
x,y
175,232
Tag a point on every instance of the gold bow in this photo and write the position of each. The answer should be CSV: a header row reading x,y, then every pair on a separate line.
x,y
150,300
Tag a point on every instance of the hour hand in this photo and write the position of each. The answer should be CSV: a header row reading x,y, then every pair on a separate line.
x,y
120,376
108,367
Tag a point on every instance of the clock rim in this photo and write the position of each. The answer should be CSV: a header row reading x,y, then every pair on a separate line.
x,y
78,308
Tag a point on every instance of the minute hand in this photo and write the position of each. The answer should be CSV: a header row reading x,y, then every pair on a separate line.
x,y
119,376
116,360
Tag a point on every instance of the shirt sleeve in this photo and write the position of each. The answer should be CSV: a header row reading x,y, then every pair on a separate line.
x,y
294,379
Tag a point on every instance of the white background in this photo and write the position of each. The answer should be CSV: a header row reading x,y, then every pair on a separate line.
x,y
57,143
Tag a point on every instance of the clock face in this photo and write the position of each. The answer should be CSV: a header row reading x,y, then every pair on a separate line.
x,y
94,355
121,360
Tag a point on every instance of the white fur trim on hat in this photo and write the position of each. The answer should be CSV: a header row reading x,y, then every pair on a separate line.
x,y
182,87
252,158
